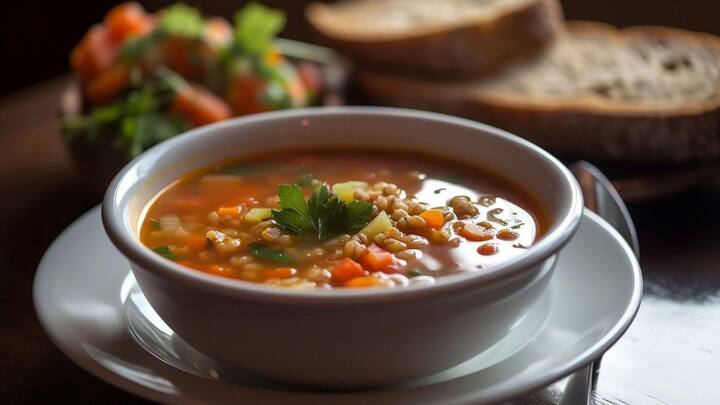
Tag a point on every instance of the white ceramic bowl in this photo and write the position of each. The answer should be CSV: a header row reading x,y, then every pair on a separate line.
x,y
344,337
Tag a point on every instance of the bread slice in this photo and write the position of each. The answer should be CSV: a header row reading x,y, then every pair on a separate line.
x,y
642,94
459,37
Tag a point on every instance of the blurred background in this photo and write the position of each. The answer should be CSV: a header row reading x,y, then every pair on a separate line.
x,y
35,45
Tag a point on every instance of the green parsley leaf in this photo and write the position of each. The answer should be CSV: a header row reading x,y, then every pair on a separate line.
x,y
165,252
292,198
256,26
292,222
267,253
154,223
332,219
358,214
414,273
183,20
316,201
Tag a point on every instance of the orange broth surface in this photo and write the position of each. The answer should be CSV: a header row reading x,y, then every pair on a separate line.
x,y
444,218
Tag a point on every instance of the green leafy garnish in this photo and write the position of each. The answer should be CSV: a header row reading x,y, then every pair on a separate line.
x,y
256,27
138,116
517,226
154,223
323,215
183,20
267,253
165,252
414,273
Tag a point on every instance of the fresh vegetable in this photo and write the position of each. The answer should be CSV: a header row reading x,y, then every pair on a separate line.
x,y
256,215
379,224
147,77
200,106
434,218
165,252
346,191
347,269
280,272
267,253
376,259
322,216
362,282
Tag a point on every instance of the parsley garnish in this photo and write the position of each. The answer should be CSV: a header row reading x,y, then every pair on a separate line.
x,y
323,215
165,252
267,253
256,27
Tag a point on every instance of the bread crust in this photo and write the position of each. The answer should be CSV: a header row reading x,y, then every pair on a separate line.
x,y
468,48
578,128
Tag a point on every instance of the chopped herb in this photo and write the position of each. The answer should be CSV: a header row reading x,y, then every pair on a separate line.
x,y
414,273
256,27
154,223
182,20
267,253
323,214
517,226
165,252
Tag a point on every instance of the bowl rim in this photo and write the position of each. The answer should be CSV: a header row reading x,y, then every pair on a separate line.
x,y
130,246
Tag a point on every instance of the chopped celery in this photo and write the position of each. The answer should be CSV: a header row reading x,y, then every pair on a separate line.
x,y
379,224
256,215
346,191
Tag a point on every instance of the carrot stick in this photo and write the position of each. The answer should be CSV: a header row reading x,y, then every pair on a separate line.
x,y
200,106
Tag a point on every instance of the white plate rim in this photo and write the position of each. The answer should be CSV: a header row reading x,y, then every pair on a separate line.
x,y
588,355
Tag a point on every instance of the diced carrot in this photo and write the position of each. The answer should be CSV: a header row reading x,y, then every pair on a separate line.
x,y
376,259
362,282
94,54
200,106
196,243
191,58
127,20
280,272
244,95
108,84
347,269
434,218
488,249
230,211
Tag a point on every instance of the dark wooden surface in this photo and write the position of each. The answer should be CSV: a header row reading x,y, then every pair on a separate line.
x,y
671,354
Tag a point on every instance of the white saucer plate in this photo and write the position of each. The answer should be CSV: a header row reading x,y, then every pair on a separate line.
x,y
89,305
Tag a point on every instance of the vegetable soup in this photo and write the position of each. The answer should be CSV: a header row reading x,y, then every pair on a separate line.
x,y
341,218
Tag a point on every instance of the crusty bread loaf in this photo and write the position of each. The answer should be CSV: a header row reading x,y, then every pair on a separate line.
x,y
465,37
642,94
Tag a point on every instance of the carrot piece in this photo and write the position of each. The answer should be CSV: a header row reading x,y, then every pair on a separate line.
x,y
280,272
94,54
108,84
376,259
362,282
244,95
230,211
196,243
126,20
434,218
347,269
488,249
190,58
200,106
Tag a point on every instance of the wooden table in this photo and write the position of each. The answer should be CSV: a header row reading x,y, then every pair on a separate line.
x,y
670,355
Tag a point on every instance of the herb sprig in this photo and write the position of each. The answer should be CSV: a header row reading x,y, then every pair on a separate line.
x,y
322,216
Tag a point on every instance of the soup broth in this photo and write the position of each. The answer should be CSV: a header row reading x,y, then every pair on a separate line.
x,y
341,218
